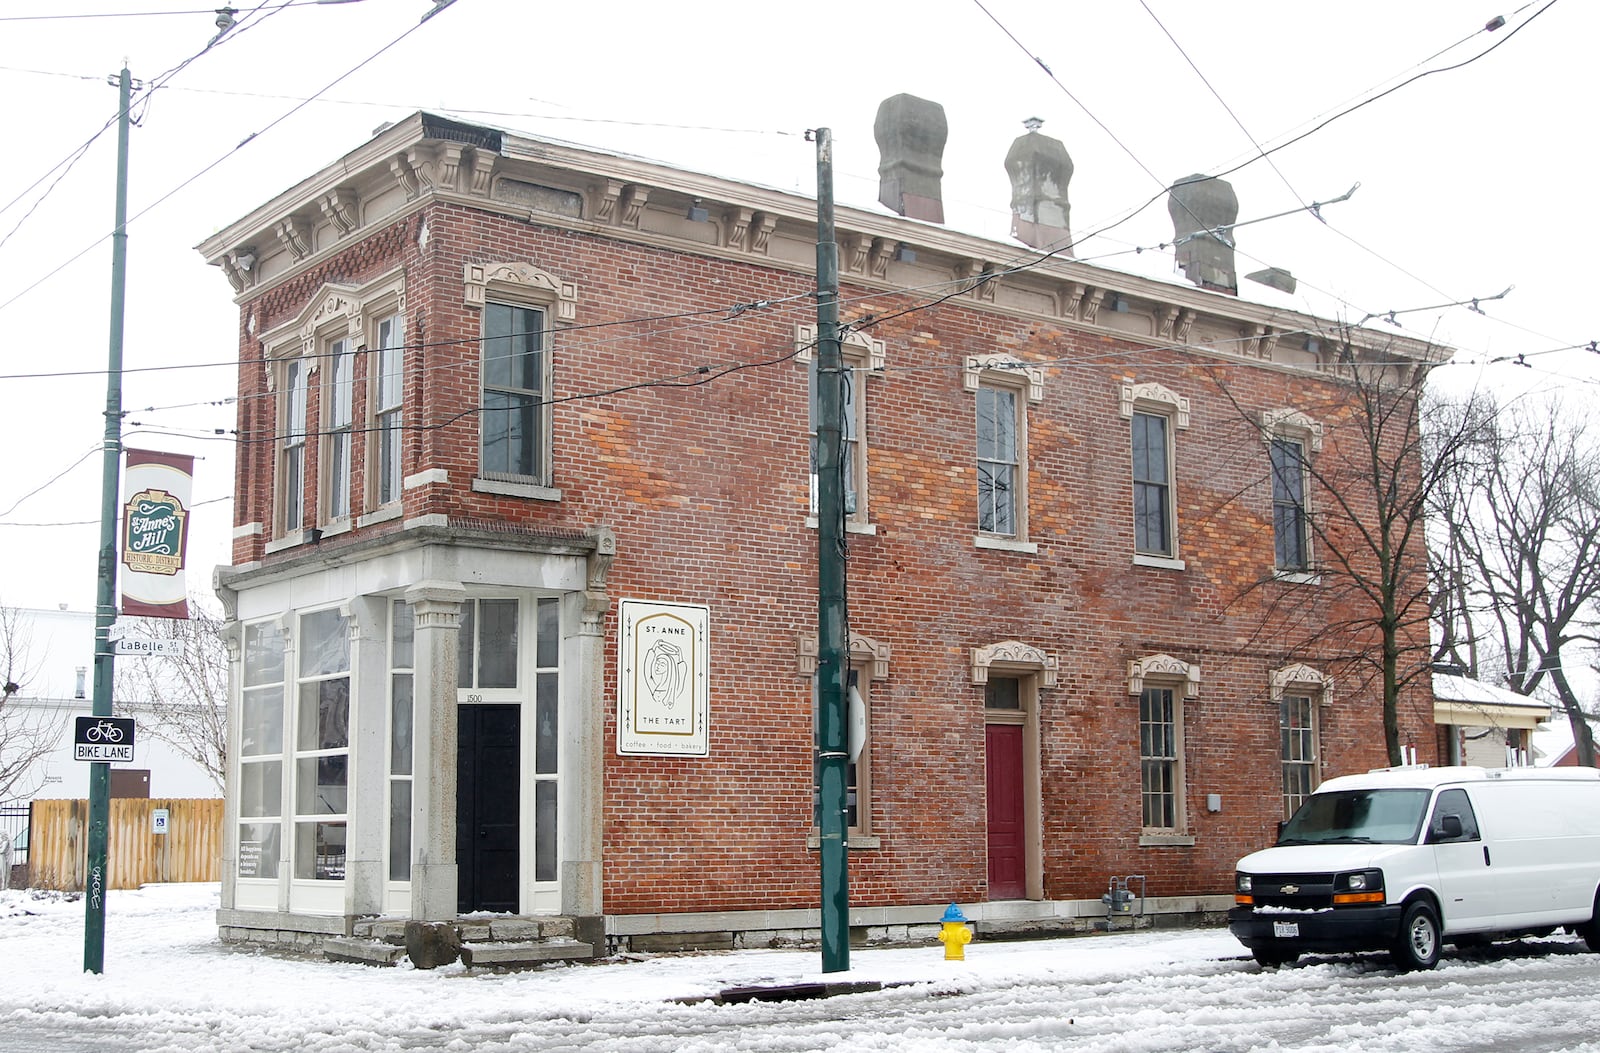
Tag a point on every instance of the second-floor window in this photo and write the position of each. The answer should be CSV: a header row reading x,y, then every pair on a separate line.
x,y
852,455
388,418
515,376
1152,485
1289,524
292,447
999,470
338,431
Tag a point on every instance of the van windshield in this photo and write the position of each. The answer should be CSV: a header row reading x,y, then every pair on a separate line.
x,y
1386,817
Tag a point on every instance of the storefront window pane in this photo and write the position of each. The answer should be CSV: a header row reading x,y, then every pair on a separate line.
x,y
258,850
319,851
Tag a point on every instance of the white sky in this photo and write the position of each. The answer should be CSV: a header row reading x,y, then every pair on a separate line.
x,y
169,986
1471,180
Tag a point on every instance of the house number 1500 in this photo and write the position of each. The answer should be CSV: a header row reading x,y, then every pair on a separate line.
x,y
474,698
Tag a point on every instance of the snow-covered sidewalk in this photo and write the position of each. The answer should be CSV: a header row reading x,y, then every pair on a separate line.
x,y
164,965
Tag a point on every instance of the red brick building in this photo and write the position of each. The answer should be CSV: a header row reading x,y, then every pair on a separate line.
x,y
524,572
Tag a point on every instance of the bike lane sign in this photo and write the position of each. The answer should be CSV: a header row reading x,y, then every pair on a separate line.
x,y
108,739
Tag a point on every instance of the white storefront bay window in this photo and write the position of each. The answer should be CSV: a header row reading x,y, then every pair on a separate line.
x,y
321,751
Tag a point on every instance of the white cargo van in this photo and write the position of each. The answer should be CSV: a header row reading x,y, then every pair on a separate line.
x,y
1408,859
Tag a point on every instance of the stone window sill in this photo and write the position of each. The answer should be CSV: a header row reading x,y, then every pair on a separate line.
x,y
1150,840
533,491
1140,559
1004,544
855,841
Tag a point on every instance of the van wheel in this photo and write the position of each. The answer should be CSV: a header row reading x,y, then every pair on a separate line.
x,y
1271,958
1417,946
1590,930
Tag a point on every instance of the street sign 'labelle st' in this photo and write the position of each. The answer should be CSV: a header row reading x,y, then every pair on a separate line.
x,y
107,739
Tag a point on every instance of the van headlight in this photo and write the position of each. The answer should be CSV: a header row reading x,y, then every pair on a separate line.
x,y
1242,883
1242,896
1358,887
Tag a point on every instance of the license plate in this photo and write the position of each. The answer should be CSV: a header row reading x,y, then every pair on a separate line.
x,y
1285,929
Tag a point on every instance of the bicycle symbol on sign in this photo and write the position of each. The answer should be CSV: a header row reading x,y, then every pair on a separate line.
x,y
103,731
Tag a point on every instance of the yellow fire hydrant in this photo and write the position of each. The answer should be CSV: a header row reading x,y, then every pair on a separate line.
x,y
954,934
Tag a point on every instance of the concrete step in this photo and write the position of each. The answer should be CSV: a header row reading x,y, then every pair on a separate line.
x,y
364,952
511,955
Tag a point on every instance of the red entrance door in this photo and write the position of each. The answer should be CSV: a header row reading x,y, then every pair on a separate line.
x,y
1007,860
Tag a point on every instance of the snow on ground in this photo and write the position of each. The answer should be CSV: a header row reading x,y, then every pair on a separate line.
x,y
170,986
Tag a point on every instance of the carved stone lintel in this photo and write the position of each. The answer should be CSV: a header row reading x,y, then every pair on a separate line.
x,y
476,278
974,367
863,651
1014,655
634,197
738,227
293,237
1302,676
1162,396
1275,423
765,223
1163,667
482,171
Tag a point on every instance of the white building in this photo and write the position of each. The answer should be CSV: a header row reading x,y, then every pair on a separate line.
x,y
59,673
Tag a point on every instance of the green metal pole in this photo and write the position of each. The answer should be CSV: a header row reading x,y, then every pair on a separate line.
x,y
105,610
832,754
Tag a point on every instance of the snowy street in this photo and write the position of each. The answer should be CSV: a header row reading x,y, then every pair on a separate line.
x,y
170,986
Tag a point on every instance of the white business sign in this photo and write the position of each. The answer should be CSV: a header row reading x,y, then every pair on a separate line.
x,y
664,683
148,647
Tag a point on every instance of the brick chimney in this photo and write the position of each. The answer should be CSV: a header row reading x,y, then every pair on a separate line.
x,y
1040,170
911,134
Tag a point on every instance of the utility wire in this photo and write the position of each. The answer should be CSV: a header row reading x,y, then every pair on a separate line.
x,y
242,143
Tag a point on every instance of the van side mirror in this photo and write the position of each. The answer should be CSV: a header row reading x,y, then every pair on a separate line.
x,y
1449,828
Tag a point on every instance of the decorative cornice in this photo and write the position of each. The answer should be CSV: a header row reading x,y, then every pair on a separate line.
x,y
415,156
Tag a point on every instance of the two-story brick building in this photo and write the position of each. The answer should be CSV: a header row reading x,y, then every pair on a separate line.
x,y
524,582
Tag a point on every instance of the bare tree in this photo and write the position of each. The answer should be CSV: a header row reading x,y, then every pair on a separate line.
x,y
28,733
183,700
1517,542
1363,603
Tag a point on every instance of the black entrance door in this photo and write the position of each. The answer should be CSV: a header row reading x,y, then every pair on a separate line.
x,y
487,764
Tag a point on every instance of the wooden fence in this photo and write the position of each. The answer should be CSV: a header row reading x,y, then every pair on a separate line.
x,y
189,850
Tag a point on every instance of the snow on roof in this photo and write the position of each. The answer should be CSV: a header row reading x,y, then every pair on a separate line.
x,y
1452,688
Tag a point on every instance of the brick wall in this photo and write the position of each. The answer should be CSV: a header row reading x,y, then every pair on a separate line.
x,y
706,489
